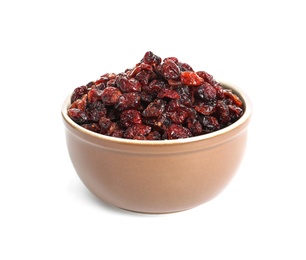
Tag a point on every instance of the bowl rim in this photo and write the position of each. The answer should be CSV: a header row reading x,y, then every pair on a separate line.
x,y
241,121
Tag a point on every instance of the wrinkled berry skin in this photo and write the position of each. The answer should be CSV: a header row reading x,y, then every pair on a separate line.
x,y
155,100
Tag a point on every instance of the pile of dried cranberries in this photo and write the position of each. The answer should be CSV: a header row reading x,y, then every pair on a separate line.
x,y
155,100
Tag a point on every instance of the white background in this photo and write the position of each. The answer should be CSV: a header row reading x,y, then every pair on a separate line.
x,y
48,48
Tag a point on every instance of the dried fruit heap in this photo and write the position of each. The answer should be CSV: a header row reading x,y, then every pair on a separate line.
x,y
155,100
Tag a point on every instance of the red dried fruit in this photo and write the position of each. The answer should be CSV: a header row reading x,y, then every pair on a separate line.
x,y
185,67
154,87
126,84
110,95
94,95
95,111
80,103
235,112
222,112
168,93
155,100
77,115
151,58
128,100
210,124
207,92
234,98
136,131
175,131
205,109
106,126
170,70
207,77
92,127
194,126
78,93
130,117
155,108
191,78
153,136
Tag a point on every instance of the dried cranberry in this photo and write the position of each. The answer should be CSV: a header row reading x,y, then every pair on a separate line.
x,y
128,100
94,95
207,92
190,78
205,109
78,93
80,103
106,126
151,58
92,127
137,130
130,117
126,84
77,115
168,93
95,111
153,136
155,100
210,124
154,87
222,112
170,70
110,95
155,108
176,131
194,126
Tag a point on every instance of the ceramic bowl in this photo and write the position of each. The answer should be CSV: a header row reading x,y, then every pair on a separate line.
x,y
158,176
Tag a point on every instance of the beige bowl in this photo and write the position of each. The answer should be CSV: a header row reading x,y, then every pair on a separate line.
x,y
157,176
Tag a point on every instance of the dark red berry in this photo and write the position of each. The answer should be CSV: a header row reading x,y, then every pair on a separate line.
x,y
155,100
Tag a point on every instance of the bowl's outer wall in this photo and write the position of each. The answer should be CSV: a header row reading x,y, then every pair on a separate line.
x,y
156,179
156,183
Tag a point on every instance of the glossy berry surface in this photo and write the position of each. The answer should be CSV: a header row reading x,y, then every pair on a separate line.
x,y
157,99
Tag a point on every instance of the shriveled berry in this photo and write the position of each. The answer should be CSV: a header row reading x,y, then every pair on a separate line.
x,y
78,93
128,100
137,130
154,87
80,103
92,127
153,136
176,131
126,84
151,58
168,93
155,100
106,126
194,126
210,124
234,98
205,109
95,111
222,112
207,92
94,95
170,70
110,95
235,112
155,108
185,67
144,77
77,115
190,78
129,117
207,78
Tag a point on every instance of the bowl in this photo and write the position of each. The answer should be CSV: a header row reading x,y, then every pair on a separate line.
x,y
158,176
